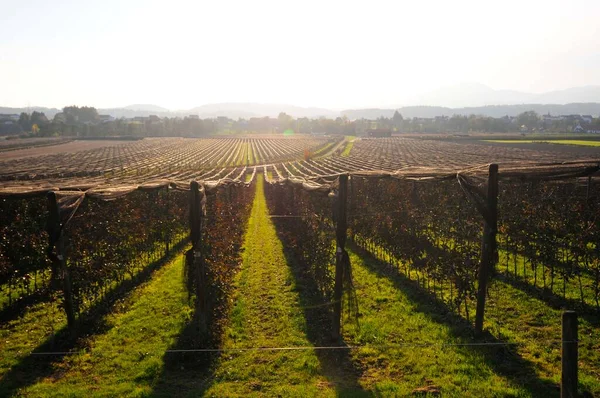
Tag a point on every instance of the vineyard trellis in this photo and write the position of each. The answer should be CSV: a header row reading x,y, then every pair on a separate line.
x,y
311,221
441,227
427,222
80,246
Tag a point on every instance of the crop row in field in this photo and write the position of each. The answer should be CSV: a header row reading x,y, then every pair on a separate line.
x,y
562,142
155,156
390,154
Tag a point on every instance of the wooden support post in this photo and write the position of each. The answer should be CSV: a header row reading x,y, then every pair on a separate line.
x,y
341,227
569,357
198,264
488,246
60,261
167,230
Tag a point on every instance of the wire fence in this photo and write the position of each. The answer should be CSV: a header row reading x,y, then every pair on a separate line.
x,y
336,348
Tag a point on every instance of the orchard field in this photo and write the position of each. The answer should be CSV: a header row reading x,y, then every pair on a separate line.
x,y
296,266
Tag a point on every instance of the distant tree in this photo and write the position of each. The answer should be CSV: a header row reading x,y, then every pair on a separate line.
x,y
397,120
39,118
84,114
529,119
25,121
285,121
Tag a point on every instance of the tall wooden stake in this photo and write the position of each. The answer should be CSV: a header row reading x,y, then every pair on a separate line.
x,y
198,265
341,227
167,233
488,246
60,261
568,380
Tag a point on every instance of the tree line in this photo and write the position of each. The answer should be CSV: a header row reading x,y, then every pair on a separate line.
x,y
86,122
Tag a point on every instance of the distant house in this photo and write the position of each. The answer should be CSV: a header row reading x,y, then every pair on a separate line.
x,y
578,129
549,118
379,133
587,118
572,118
9,117
105,118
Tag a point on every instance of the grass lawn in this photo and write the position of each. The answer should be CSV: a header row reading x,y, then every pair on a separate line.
x,y
561,142
394,311
515,313
127,359
349,144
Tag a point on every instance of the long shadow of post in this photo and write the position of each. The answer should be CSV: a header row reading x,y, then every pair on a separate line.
x,y
503,359
337,365
187,373
588,312
39,364
17,308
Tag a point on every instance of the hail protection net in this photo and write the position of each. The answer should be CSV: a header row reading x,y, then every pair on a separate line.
x,y
87,242
304,221
25,270
222,231
110,242
549,234
427,230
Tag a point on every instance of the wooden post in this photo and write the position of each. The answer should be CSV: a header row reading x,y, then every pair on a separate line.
x,y
60,262
198,265
341,227
488,246
167,231
568,381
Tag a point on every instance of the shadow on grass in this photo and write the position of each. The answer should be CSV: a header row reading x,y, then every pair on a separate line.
x,y
502,359
38,365
18,307
187,373
337,365
585,311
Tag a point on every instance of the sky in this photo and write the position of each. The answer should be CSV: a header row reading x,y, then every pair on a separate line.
x,y
332,54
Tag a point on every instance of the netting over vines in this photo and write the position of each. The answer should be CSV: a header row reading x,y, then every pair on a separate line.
x,y
549,236
81,246
429,225
428,230
304,222
24,266
108,242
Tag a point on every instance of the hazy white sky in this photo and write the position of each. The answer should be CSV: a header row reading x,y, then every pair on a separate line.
x,y
335,54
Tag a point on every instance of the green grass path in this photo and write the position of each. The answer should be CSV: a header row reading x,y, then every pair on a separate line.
x,y
128,359
266,313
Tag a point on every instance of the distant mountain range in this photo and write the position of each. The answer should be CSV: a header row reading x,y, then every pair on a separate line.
x,y
590,108
476,95
465,99
146,107
246,110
